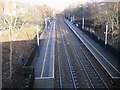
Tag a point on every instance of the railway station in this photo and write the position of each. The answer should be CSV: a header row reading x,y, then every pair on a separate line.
x,y
44,45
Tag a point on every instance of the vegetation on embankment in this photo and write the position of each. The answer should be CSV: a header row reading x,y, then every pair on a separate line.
x,y
18,40
96,15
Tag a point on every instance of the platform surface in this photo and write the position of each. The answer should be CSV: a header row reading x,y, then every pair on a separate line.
x,y
110,63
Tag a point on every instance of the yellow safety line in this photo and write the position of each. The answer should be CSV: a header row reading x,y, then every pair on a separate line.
x,y
44,77
53,47
45,56
102,56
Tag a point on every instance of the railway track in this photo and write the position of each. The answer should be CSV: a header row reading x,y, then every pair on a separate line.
x,y
93,76
74,69
65,68
75,66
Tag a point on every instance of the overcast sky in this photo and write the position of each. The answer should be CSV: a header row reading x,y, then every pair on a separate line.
x,y
57,4
60,4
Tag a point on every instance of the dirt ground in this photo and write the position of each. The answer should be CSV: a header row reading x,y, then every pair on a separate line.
x,y
22,47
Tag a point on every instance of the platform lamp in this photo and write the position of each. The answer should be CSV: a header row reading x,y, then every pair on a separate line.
x,y
106,32
37,32
83,18
82,8
106,27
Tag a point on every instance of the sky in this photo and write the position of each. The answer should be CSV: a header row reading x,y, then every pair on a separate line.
x,y
57,4
61,4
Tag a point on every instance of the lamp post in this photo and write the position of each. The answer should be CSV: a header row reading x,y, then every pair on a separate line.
x,y
83,18
73,18
83,21
106,27
82,8
106,31
37,32
46,19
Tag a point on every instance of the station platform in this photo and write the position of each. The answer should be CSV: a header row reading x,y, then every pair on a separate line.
x,y
44,83
44,63
110,63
